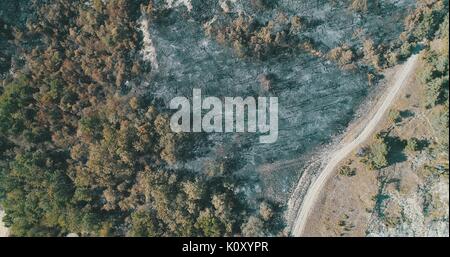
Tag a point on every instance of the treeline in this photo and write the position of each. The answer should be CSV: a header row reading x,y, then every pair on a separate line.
x,y
420,25
433,76
80,152
251,38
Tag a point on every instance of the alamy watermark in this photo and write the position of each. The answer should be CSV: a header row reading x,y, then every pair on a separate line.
x,y
228,117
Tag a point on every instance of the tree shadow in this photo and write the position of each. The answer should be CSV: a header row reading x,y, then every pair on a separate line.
x,y
379,200
396,147
406,114
422,144
417,48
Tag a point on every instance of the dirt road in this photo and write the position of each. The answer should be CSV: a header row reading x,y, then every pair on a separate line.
x,y
336,157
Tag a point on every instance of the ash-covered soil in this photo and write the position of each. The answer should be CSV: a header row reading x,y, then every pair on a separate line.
x,y
316,97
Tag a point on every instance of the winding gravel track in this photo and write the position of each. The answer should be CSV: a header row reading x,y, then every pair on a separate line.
x,y
337,156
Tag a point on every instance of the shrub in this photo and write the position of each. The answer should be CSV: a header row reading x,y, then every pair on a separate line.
x,y
412,145
253,227
376,156
394,116
347,171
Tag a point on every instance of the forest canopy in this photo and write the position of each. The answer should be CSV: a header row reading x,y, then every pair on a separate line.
x,y
82,151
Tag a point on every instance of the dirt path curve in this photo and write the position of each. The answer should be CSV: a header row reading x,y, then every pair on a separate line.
x,y
336,157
